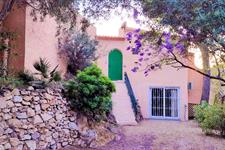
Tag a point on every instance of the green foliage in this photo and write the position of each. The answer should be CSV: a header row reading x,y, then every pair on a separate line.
x,y
10,82
43,66
26,76
211,118
89,93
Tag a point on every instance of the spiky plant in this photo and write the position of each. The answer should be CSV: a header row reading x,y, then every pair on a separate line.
x,y
42,66
55,75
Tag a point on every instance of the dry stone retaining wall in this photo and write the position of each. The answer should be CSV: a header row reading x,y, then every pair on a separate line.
x,y
40,119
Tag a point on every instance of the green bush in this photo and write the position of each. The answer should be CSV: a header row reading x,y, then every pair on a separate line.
x,y
26,76
10,82
89,93
211,118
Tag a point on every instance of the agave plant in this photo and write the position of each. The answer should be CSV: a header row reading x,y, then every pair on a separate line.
x,y
43,66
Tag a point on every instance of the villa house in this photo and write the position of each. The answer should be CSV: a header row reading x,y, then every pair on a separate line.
x,y
164,94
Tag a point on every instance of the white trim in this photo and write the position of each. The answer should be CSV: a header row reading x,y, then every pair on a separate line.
x,y
164,116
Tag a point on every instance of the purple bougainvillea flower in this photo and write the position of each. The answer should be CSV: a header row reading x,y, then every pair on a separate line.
x,y
137,30
135,69
128,48
149,54
135,13
180,47
142,54
169,47
152,67
140,59
129,36
135,50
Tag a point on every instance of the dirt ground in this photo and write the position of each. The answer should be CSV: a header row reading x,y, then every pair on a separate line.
x,y
164,135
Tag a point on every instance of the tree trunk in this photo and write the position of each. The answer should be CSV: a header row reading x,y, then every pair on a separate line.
x,y
206,68
5,60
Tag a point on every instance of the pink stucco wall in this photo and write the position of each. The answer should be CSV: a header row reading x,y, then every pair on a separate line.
x,y
41,41
196,80
167,77
15,22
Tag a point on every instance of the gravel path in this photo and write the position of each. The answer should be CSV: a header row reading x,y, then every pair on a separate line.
x,y
164,135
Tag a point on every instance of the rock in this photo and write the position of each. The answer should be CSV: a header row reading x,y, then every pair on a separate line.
x,y
30,88
37,119
65,144
7,117
25,92
9,104
3,104
7,146
18,104
72,119
3,139
6,110
15,123
89,134
46,116
16,92
48,96
19,147
58,116
55,135
36,98
66,131
42,145
35,136
22,115
14,109
26,103
26,137
37,108
3,125
17,99
14,142
82,122
73,126
31,144
45,106
27,98
8,131
30,112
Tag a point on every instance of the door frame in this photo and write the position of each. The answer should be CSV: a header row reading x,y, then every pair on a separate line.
x,y
150,103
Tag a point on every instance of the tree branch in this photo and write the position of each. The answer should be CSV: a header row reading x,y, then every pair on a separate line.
x,y
194,69
6,8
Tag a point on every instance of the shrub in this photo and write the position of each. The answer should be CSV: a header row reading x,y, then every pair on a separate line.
x,y
26,76
89,93
10,82
43,66
80,52
211,118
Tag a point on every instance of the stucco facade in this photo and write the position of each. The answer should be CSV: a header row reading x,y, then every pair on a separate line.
x,y
38,39
35,39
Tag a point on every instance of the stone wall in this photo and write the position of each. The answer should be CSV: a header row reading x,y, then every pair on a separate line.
x,y
41,119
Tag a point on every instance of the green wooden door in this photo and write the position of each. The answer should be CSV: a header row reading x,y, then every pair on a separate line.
x,y
115,65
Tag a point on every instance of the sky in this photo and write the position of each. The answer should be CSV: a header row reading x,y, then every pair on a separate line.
x,y
111,27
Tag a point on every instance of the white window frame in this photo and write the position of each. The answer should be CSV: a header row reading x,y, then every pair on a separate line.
x,y
164,116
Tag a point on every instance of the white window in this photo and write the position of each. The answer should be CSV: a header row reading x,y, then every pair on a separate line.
x,y
164,103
